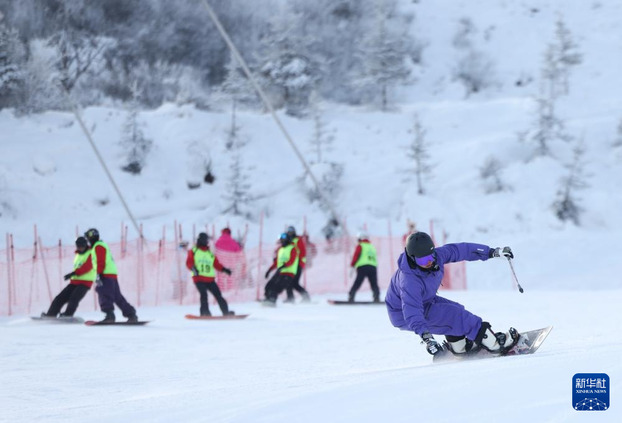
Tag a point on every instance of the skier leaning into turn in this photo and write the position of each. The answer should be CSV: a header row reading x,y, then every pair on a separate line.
x,y
413,304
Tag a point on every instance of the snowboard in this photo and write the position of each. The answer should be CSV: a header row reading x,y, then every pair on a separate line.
x,y
337,302
96,323
228,317
528,343
72,319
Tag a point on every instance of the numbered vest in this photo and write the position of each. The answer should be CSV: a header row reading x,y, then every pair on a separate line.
x,y
283,257
110,268
204,262
368,255
79,260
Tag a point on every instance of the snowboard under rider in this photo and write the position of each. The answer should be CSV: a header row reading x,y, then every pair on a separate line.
x,y
413,304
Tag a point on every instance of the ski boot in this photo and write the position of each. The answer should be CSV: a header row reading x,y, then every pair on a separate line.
x,y
496,343
110,318
268,302
460,345
44,315
132,318
229,313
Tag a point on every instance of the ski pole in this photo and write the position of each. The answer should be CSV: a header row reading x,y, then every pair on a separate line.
x,y
520,288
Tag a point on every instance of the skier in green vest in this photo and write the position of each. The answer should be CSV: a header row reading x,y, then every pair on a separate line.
x,y
80,281
365,262
203,264
107,288
286,265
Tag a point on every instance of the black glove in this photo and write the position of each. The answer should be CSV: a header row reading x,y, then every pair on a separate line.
x,y
98,280
227,271
432,346
505,252
69,276
268,273
195,271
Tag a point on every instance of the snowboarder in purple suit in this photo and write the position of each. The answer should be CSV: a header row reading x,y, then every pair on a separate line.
x,y
413,304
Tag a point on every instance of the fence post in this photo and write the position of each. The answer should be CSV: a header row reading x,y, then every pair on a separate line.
x,y
45,269
391,257
259,253
8,268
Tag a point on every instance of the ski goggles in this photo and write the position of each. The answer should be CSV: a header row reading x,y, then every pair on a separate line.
x,y
425,260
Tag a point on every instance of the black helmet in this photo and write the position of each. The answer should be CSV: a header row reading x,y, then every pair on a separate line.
x,y
419,245
92,235
285,239
202,240
81,242
291,231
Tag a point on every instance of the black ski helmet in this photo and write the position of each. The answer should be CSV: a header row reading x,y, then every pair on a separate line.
x,y
81,242
202,240
285,239
92,235
419,244
291,231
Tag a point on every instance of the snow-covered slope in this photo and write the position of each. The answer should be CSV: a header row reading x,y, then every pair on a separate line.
x,y
308,363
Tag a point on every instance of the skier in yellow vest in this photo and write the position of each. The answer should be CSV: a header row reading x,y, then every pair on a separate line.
x,y
203,265
80,281
286,265
107,288
365,262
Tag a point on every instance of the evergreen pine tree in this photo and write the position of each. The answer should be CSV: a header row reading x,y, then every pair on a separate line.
x,y
567,206
384,55
133,139
237,196
491,174
418,152
321,139
11,76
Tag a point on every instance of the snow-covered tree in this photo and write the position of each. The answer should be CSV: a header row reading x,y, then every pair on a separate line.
x,y
474,70
549,126
384,55
11,56
321,138
287,66
237,196
133,140
237,86
565,52
418,152
491,175
567,206
77,47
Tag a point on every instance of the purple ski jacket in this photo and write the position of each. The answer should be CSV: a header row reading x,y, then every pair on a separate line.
x,y
413,291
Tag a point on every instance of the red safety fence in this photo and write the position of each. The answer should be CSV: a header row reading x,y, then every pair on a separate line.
x,y
153,272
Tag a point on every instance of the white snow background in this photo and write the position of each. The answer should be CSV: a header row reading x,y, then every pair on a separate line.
x,y
311,363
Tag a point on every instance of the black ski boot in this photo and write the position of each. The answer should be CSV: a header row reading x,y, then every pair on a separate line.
x,y
110,318
133,318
